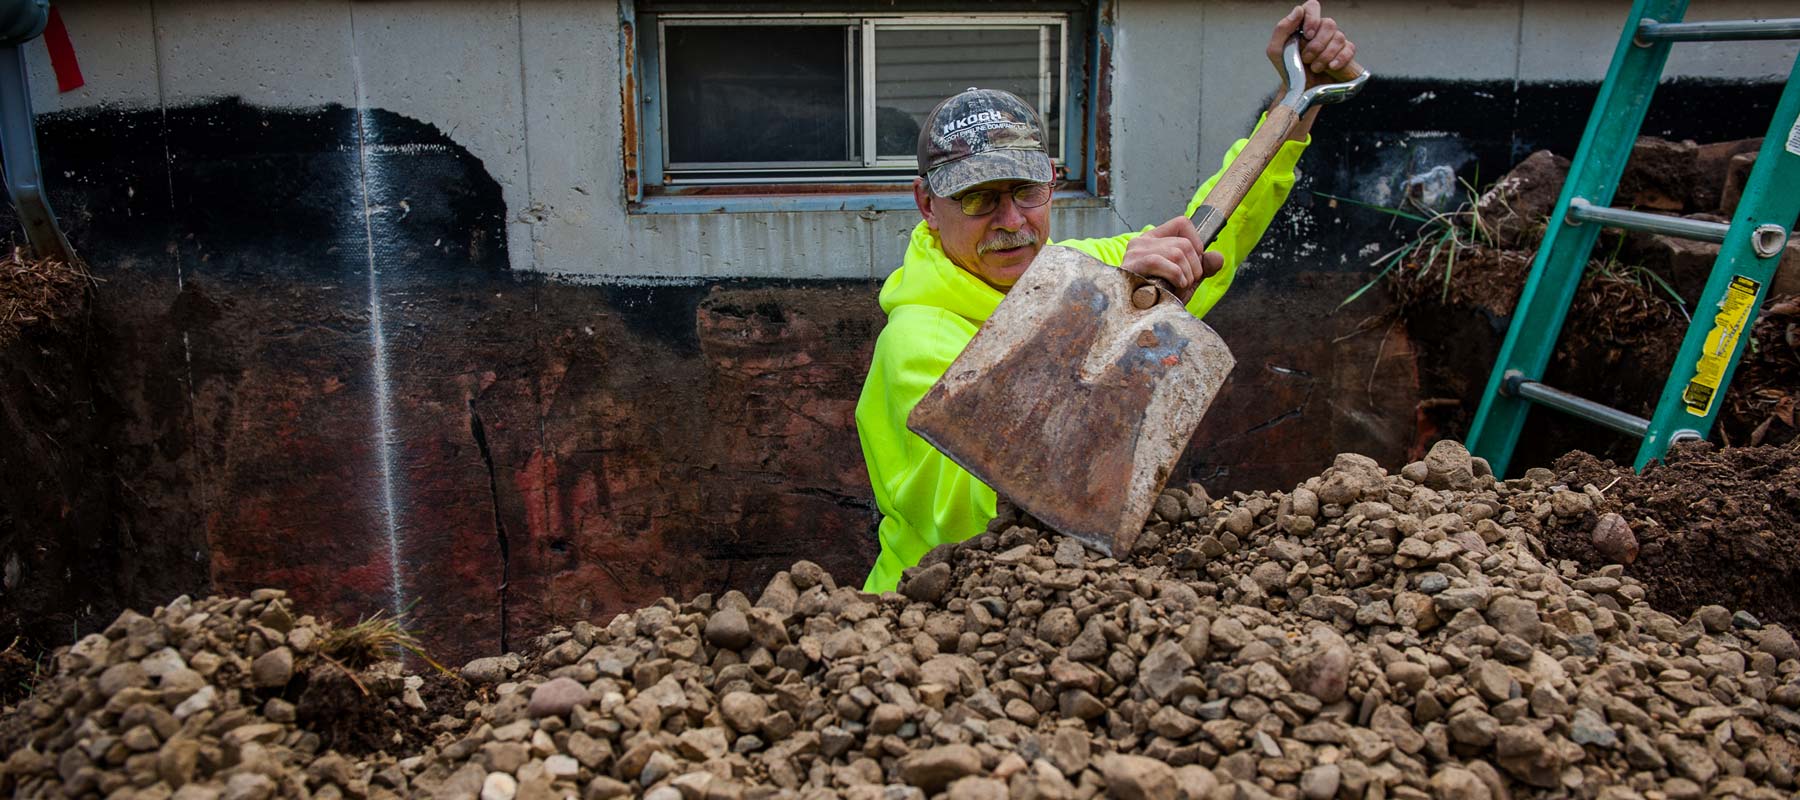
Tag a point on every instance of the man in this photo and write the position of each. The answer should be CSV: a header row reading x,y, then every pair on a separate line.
x,y
984,190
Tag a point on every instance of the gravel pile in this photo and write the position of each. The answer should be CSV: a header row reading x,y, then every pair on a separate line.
x,y
1365,635
222,698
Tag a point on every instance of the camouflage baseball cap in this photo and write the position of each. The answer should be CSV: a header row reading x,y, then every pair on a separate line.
x,y
981,135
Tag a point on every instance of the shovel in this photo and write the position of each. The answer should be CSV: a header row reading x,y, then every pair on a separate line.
x,y
1086,384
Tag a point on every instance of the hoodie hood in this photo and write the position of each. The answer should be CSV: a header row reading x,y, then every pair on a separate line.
x,y
928,277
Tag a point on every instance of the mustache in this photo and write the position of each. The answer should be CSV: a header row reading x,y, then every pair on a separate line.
x,y
1006,240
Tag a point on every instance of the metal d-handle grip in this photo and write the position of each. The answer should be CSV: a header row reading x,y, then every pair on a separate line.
x,y
1235,182
1302,99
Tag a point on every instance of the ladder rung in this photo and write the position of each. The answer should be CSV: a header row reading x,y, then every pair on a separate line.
x,y
1576,406
1701,231
1718,31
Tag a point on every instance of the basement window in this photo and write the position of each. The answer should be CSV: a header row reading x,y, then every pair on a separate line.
x,y
831,102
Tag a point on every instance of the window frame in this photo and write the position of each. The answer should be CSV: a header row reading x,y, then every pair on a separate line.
x,y
1081,36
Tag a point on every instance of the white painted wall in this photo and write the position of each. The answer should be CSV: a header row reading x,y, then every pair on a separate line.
x,y
532,89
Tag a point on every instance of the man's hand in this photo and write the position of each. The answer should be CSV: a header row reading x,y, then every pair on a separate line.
x,y
1325,50
1173,251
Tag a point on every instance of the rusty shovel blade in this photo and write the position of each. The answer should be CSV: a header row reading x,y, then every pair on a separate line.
x,y
1073,403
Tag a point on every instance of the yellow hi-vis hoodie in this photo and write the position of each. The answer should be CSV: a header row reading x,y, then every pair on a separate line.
x,y
934,308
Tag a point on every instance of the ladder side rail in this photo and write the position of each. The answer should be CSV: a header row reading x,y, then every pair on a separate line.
x,y
1724,30
1726,313
1606,145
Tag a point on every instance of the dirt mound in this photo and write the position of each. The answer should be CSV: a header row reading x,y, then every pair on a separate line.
x,y
1712,526
1364,635
1456,286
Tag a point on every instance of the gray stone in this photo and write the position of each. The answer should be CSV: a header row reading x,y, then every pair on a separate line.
x,y
1320,782
561,766
925,584
728,628
1131,777
978,788
744,711
1394,723
1516,616
499,786
1409,675
1069,553
1058,626
1448,466
1456,783
492,669
199,701
1714,618
935,768
807,574
1588,727
463,784
589,751
1474,728
248,786
1526,754
1688,758
1070,749
118,677
1269,576
1325,674
1163,668
605,788
557,697
1776,641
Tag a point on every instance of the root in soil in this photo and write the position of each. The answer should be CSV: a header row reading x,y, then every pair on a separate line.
x,y
19,672
38,293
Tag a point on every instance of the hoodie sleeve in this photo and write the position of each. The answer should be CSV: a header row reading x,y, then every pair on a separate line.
x,y
1241,232
925,498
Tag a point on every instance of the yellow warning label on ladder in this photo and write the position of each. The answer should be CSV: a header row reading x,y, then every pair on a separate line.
x,y
1721,341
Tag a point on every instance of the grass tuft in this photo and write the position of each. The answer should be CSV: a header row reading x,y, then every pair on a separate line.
x,y
375,638
1441,235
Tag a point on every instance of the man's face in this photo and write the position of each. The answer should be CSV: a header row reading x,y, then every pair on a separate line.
x,y
996,246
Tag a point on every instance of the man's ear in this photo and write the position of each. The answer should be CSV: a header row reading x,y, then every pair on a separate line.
x,y
922,198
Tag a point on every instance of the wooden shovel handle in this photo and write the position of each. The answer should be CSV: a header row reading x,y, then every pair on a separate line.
x,y
1347,72
1235,183
1230,190
1232,186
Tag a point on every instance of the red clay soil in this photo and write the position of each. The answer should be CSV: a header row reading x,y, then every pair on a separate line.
x,y
1716,525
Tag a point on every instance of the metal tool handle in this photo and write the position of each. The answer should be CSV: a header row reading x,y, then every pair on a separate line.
x,y
24,177
1235,183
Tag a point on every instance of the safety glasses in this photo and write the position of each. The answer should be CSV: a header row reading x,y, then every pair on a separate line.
x,y
984,201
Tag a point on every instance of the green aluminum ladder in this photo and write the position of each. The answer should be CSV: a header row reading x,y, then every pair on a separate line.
x,y
1750,249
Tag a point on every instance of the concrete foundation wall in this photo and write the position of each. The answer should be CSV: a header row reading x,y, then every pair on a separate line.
x,y
532,89
376,324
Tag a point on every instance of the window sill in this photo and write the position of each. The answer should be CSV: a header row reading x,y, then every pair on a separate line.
x,y
791,203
